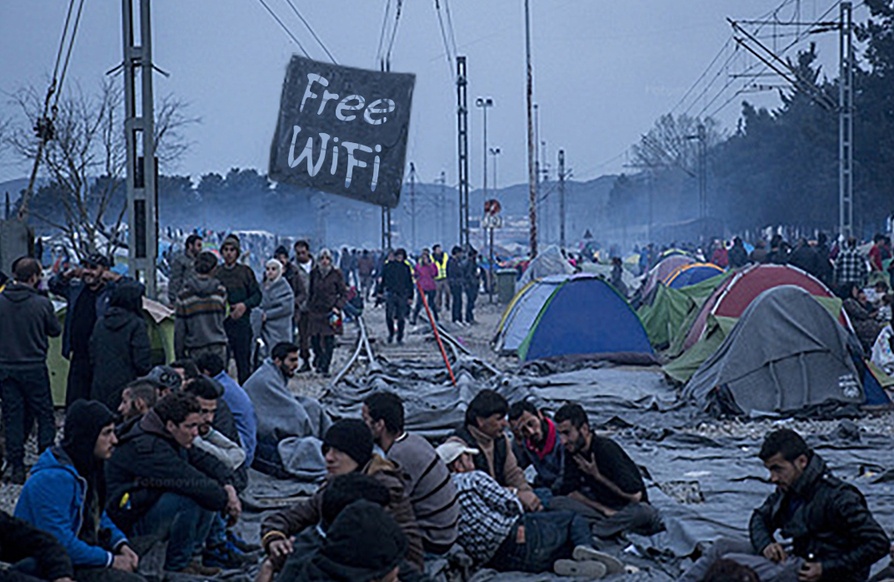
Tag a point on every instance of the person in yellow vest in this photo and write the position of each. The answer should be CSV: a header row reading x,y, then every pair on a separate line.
x,y
442,288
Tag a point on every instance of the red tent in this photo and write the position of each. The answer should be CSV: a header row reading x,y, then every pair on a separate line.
x,y
737,292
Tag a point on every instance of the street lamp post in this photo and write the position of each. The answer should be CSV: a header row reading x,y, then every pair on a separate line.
x,y
484,103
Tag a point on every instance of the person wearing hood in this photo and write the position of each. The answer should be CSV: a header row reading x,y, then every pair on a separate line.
x,y
277,310
66,494
328,296
87,290
201,310
243,294
160,485
833,534
348,448
119,345
35,555
27,321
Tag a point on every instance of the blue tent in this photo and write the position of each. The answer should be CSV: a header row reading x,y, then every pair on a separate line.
x,y
585,316
692,274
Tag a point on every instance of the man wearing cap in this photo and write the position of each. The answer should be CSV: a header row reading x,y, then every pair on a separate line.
x,y
348,448
87,291
27,321
65,496
183,265
243,294
496,532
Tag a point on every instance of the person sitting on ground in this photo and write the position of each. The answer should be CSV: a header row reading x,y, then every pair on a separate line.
x,y
187,370
283,415
537,443
160,485
429,487
495,531
65,496
166,378
348,447
861,315
364,543
601,481
34,554
119,345
137,399
834,536
237,400
485,430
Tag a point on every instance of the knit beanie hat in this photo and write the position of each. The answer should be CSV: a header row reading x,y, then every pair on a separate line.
x,y
352,437
128,296
84,420
364,543
232,239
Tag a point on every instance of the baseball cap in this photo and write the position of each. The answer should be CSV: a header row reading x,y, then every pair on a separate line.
x,y
96,260
452,449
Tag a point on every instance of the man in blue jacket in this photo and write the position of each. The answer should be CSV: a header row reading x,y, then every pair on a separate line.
x,y
65,496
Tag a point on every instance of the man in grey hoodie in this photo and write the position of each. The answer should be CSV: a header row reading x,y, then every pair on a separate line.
x,y
27,321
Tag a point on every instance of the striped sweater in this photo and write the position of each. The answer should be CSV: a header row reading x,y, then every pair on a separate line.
x,y
200,310
431,491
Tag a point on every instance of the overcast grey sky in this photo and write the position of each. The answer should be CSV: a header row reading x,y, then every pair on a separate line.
x,y
604,69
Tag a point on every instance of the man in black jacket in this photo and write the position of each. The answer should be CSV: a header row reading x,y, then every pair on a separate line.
x,y
160,485
27,320
397,285
834,536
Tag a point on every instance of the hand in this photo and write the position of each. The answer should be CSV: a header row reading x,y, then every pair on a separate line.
x,y
265,574
530,501
810,572
109,275
123,563
237,311
775,553
127,551
234,506
279,549
587,466
74,273
264,317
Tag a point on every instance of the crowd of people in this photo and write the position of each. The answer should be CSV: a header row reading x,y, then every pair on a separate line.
x,y
162,452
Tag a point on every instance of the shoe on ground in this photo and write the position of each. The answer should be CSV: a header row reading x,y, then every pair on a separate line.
x,y
325,375
390,339
240,544
305,367
589,554
224,556
195,568
17,475
575,569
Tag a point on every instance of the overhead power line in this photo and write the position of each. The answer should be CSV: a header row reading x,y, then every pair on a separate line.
x,y
311,30
284,27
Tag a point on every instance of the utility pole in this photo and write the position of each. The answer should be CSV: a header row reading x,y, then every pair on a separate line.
x,y
846,123
462,142
532,173
484,103
703,177
562,199
139,130
413,205
495,152
441,205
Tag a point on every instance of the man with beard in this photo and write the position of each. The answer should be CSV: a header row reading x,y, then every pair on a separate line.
x,y
833,534
66,494
183,266
601,481
537,443
87,291
137,398
243,295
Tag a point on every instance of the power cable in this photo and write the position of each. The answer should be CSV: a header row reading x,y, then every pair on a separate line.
x,y
444,36
311,30
397,14
284,27
71,42
450,26
380,52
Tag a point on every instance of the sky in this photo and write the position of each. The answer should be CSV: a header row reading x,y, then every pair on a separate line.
x,y
604,70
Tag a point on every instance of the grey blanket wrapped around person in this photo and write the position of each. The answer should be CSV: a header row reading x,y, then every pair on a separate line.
x,y
273,320
290,427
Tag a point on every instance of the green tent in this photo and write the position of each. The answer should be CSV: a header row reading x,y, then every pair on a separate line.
x,y
160,322
666,316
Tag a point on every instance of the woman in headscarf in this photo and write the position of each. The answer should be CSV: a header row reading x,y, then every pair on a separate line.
x,y
328,295
277,307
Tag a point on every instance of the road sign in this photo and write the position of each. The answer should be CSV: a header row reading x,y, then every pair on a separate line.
x,y
492,221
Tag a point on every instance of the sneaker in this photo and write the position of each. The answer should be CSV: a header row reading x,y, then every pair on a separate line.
x,y
17,475
573,568
240,544
223,556
589,554
196,568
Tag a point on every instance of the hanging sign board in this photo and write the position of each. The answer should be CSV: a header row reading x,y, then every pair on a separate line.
x,y
343,130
